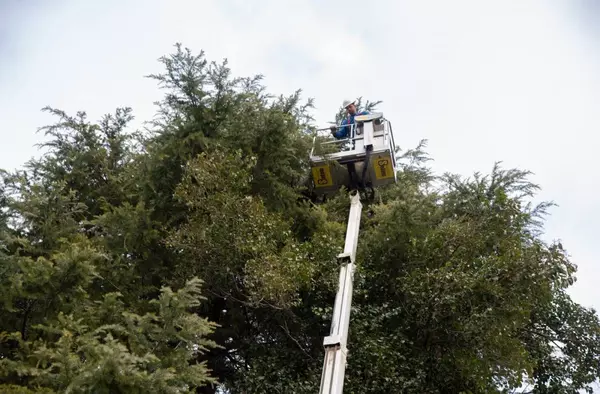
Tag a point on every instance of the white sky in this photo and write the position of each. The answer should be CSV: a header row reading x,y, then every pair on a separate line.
x,y
483,81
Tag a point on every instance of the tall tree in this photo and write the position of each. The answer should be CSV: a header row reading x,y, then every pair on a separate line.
x,y
66,325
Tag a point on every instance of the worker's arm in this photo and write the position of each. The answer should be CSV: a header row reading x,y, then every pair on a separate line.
x,y
342,131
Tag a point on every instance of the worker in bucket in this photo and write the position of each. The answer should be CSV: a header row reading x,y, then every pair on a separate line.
x,y
343,131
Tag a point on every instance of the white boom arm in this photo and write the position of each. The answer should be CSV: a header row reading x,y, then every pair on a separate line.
x,y
334,366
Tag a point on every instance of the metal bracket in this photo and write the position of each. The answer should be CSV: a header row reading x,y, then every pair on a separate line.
x,y
344,258
332,340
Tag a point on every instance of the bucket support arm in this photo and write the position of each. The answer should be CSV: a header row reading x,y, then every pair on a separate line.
x,y
334,365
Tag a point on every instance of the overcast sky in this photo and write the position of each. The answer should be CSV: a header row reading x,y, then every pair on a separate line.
x,y
483,81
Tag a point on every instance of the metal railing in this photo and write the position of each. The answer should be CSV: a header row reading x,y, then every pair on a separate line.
x,y
387,132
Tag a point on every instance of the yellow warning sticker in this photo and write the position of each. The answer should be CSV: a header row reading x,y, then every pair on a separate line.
x,y
322,176
383,167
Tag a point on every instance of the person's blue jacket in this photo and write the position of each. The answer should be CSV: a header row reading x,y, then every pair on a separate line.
x,y
344,128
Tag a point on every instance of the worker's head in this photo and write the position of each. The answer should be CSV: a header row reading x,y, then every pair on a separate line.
x,y
350,107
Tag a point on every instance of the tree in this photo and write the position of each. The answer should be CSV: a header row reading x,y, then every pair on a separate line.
x,y
65,325
103,238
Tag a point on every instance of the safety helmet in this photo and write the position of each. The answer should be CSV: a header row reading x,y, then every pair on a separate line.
x,y
346,103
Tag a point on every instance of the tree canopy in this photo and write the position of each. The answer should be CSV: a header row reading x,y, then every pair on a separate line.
x,y
191,257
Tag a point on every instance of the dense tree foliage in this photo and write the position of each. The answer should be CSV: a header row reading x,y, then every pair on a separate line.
x,y
192,258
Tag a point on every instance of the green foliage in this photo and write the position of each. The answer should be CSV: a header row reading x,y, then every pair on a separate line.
x,y
102,347
227,223
16,389
455,290
88,159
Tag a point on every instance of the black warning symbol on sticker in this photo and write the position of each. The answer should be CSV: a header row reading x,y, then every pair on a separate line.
x,y
383,163
322,177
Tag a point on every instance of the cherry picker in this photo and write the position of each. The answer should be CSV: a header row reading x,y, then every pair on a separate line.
x,y
366,160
